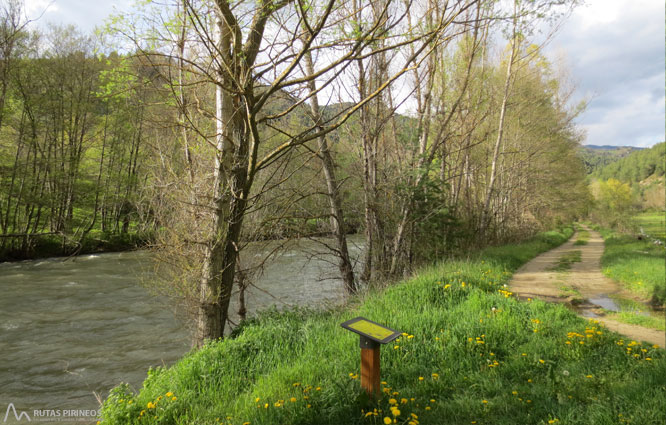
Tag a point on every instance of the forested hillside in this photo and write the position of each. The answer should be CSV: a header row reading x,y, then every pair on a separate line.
x,y
596,157
637,166
643,174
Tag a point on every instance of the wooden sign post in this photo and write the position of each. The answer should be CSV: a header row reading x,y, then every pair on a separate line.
x,y
372,336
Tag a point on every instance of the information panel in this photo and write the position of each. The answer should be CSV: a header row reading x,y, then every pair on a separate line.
x,y
371,330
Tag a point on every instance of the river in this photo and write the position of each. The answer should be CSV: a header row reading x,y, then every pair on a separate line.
x,y
72,329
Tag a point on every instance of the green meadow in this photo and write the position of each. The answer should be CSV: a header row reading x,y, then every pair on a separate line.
x,y
638,264
470,353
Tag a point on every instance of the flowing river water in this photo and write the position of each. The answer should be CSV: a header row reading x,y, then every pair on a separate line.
x,y
71,330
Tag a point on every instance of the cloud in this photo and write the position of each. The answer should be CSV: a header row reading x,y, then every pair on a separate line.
x,y
616,52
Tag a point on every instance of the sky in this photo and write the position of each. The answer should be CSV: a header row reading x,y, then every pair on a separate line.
x,y
613,49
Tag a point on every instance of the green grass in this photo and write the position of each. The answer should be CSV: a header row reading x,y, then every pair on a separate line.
x,y
639,265
653,321
565,261
583,238
471,353
653,224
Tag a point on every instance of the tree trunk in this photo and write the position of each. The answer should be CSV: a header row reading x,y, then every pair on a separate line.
x,y
337,215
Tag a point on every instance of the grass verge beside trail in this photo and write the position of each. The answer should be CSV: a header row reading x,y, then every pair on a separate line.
x,y
470,353
639,265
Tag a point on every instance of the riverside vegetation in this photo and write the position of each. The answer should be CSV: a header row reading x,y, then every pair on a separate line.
x,y
470,353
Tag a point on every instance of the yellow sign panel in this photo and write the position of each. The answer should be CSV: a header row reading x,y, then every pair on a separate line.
x,y
371,329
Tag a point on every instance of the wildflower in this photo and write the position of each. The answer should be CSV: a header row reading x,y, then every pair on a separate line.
x,y
410,336
256,400
427,408
395,411
648,359
588,376
542,361
387,420
395,347
169,394
266,406
514,392
318,389
246,423
150,405
174,398
293,399
432,400
384,383
421,378
435,376
368,414
143,412
484,401
393,401
413,416
403,401
296,384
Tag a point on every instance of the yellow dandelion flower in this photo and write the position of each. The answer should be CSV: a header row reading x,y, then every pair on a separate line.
x,y
403,401
393,401
484,401
435,376
246,423
169,394
427,408
387,420
395,411
432,400
266,406
174,398
293,399
421,378
150,405
256,400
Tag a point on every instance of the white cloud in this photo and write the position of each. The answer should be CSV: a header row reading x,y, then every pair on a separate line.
x,y
616,52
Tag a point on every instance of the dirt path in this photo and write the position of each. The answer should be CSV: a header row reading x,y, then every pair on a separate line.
x,y
584,280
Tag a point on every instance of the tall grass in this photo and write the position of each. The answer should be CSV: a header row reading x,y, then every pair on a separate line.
x,y
639,265
470,353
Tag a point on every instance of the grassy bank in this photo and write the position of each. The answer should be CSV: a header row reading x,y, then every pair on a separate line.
x,y
94,242
470,353
638,264
652,223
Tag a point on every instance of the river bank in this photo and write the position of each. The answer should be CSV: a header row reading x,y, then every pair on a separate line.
x,y
51,245
470,353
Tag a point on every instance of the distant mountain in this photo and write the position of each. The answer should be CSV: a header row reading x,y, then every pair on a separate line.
x,y
637,166
595,157
610,147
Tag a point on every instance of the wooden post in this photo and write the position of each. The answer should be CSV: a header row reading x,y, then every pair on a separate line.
x,y
372,336
370,370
